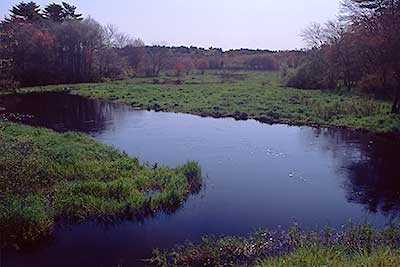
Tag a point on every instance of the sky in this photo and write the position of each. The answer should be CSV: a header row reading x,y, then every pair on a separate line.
x,y
227,24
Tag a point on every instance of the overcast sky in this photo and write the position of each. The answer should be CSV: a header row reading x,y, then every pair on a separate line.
x,y
266,24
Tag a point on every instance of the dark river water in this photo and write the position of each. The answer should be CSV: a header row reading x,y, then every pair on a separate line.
x,y
256,176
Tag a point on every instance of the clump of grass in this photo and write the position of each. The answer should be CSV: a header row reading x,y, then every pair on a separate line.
x,y
47,176
25,218
192,172
360,241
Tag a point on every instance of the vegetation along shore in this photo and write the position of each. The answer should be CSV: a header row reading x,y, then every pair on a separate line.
x,y
351,246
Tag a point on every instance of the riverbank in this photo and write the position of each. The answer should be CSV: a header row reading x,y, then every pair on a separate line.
x,y
244,95
46,177
353,245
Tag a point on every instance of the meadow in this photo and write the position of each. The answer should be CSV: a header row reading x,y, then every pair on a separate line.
x,y
48,177
244,95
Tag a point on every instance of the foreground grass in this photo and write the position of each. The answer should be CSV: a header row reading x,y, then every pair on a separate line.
x,y
47,176
244,95
351,246
315,256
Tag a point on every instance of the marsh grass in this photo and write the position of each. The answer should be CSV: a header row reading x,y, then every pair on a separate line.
x,y
47,176
351,244
244,95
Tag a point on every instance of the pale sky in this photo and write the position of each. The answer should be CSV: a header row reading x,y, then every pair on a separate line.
x,y
228,24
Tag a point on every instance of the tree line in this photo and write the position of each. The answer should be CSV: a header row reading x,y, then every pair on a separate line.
x,y
358,51
57,45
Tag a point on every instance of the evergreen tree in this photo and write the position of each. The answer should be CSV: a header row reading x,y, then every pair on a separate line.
x,y
29,12
54,12
70,12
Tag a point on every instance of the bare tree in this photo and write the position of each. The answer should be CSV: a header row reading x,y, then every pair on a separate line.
x,y
314,35
114,38
157,57
134,52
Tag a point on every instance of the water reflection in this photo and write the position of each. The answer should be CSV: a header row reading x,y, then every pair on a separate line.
x,y
62,111
370,164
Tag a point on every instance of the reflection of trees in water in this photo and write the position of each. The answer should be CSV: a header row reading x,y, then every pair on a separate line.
x,y
375,181
60,111
370,164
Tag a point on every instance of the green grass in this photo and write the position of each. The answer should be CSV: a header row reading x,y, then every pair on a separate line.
x,y
350,246
244,95
314,256
47,176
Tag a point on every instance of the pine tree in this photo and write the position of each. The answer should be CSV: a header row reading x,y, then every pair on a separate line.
x,y
70,12
29,12
54,12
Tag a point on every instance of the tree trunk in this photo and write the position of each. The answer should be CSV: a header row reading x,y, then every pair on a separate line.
x,y
395,106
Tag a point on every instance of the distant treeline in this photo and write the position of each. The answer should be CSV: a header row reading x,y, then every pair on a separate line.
x,y
57,45
361,50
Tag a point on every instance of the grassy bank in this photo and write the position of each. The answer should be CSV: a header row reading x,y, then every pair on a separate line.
x,y
47,176
315,256
244,95
351,246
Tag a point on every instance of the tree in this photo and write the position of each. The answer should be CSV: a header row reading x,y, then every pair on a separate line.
x,y
134,53
377,24
60,13
29,12
6,63
156,57
77,44
343,54
314,35
54,13
111,64
261,63
114,38
58,46
32,54
179,68
69,12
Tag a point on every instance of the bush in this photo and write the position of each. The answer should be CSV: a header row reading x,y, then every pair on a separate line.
x,y
307,76
314,73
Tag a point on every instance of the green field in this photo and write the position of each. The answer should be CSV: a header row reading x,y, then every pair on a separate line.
x,y
47,176
244,95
